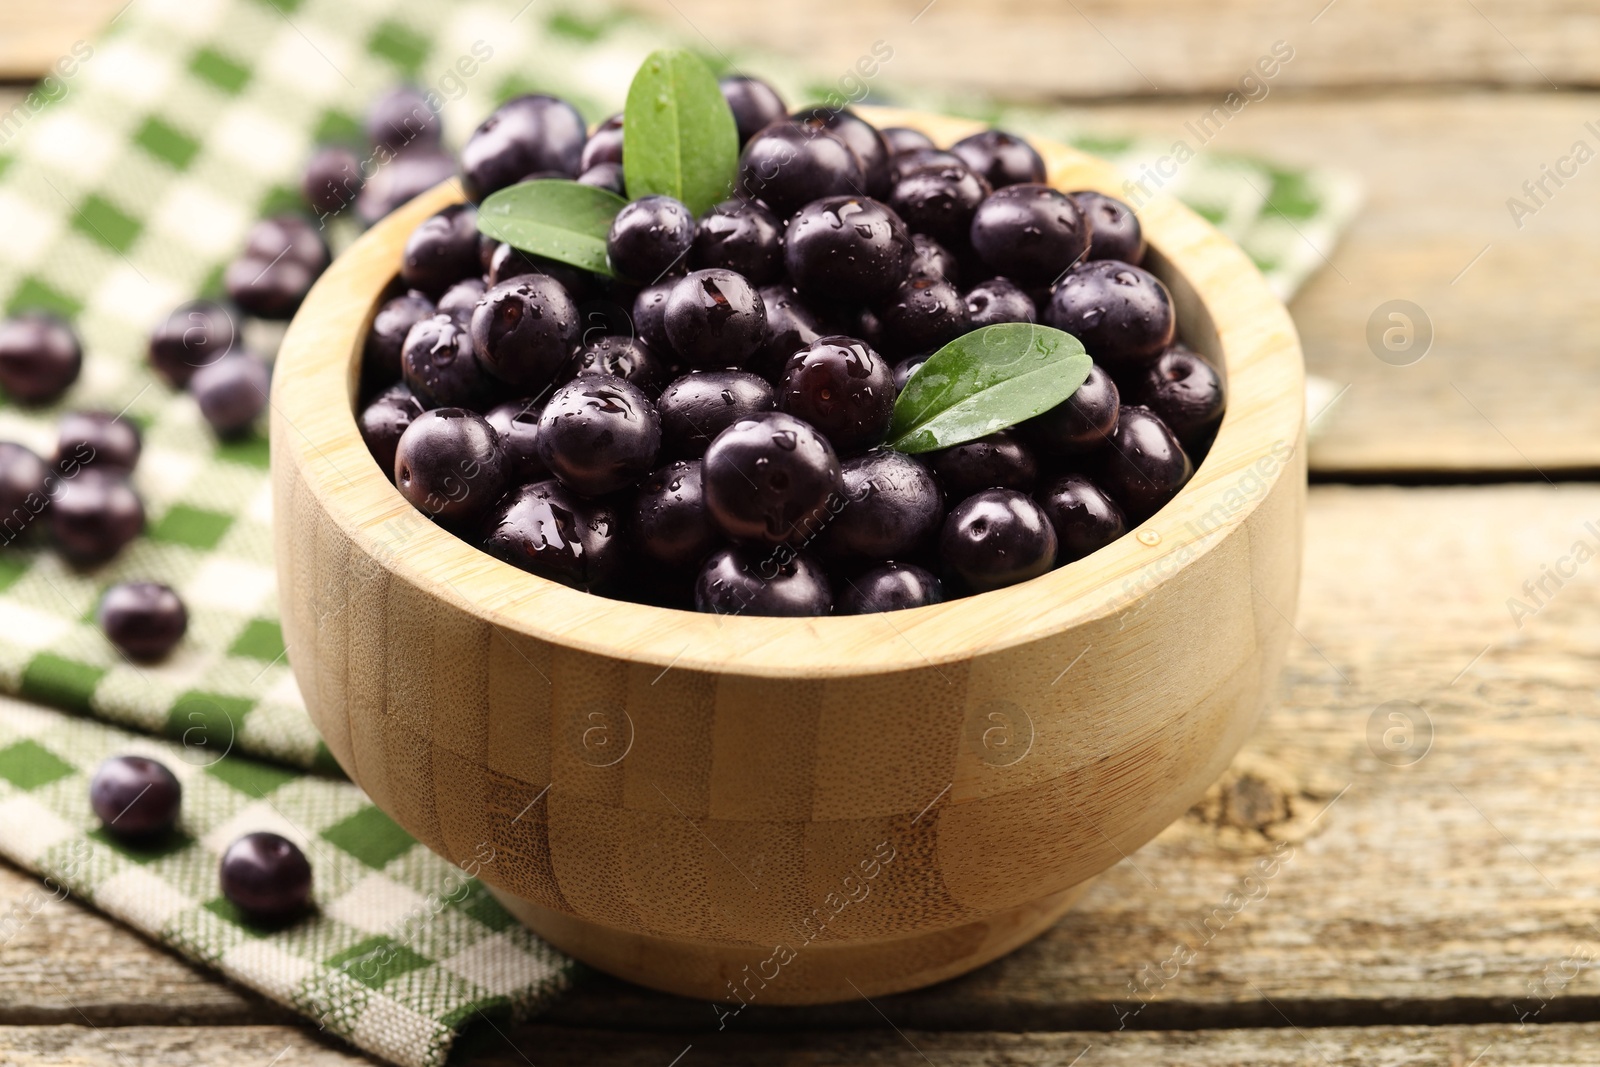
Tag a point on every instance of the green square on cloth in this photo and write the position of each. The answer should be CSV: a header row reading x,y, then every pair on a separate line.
x,y
184,124
397,955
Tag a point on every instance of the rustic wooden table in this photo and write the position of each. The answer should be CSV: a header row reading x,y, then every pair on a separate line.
x,y
1434,906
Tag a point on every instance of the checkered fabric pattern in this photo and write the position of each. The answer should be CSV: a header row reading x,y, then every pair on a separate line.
x,y
403,950
123,197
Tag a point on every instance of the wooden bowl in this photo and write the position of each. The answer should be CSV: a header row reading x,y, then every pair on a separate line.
x,y
792,811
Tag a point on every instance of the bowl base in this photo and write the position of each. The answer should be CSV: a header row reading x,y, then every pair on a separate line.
x,y
819,973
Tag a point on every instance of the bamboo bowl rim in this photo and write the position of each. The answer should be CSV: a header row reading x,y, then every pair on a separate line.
x,y
1225,309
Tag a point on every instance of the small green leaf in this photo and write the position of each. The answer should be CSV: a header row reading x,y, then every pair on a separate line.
x,y
550,217
678,135
985,381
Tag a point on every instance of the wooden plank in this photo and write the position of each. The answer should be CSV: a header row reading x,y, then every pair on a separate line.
x,y
34,35
1093,48
1510,382
1567,1045
1104,48
1433,893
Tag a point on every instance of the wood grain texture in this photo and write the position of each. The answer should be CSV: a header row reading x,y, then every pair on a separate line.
x,y
1510,382
465,696
1402,904
1093,48
1100,48
1573,1045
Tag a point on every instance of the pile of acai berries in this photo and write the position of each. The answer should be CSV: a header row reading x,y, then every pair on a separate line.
x,y
706,425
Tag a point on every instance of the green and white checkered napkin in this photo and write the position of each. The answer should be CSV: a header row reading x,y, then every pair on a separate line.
x,y
125,195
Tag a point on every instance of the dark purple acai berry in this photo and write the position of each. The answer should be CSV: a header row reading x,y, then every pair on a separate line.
x,y
461,299
930,259
401,119
598,434
1000,158
266,877
650,314
232,392
607,176
751,581
1029,233
624,356
26,487
39,357
669,520
146,620
860,136
996,538
440,365
904,139
134,797
384,420
904,164
548,530
905,369
604,145
1114,230
843,388
753,102
506,263
524,135
282,257
1143,466
1186,392
743,236
847,248
698,406
448,464
715,318
771,478
193,335
332,179
516,426
1084,517
95,438
890,587
786,168
442,250
998,300
791,326
380,359
525,329
940,202
892,509
923,315
1122,314
998,461
649,239
1082,422
400,179
96,514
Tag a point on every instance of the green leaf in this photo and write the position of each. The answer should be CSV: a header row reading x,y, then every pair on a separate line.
x,y
985,381
557,219
678,135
